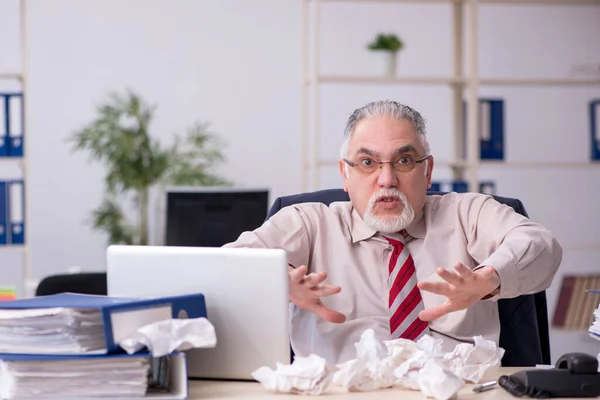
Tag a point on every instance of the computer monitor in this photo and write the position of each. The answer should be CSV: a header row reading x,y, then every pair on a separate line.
x,y
212,217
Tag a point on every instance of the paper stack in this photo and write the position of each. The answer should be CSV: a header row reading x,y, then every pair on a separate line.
x,y
28,377
594,329
51,331
69,345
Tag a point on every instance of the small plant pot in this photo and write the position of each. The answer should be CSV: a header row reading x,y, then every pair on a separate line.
x,y
387,62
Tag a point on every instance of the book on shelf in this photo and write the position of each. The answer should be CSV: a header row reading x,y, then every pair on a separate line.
x,y
577,300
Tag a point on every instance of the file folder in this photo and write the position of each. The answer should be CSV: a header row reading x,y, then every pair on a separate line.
x,y
121,317
449,186
16,212
3,125
490,128
595,129
3,213
487,187
14,112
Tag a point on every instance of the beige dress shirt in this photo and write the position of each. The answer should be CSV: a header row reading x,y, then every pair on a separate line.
x,y
471,228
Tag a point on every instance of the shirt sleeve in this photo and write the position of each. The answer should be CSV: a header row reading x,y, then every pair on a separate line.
x,y
525,254
286,230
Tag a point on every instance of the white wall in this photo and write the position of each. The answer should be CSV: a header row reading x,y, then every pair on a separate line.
x,y
237,64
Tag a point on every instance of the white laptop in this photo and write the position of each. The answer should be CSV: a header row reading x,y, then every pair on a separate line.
x,y
246,293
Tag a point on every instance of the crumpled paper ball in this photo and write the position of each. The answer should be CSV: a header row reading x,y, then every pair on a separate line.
x,y
306,375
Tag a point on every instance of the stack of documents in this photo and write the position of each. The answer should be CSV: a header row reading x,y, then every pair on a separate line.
x,y
51,331
31,376
595,327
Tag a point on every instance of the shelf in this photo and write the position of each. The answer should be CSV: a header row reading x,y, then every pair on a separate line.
x,y
11,161
541,2
441,80
493,163
538,82
510,2
365,79
393,1
11,247
541,164
11,75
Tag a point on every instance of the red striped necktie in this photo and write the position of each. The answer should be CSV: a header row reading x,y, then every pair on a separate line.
x,y
405,300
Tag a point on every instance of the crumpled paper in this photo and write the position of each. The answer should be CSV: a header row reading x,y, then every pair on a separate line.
x,y
306,375
420,365
472,361
368,371
164,337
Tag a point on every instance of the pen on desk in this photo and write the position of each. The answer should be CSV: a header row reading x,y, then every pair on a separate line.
x,y
484,386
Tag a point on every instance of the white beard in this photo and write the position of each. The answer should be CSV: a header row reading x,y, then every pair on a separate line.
x,y
389,223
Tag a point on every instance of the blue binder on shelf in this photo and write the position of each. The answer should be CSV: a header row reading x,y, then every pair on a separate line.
x,y
491,128
14,124
121,317
15,224
3,213
487,187
595,129
3,126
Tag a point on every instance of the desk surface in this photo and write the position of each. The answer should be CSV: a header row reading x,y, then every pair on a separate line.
x,y
209,390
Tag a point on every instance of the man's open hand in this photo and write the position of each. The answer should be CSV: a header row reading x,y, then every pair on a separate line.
x,y
463,288
306,292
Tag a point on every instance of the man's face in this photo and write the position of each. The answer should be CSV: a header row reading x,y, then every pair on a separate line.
x,y
386,199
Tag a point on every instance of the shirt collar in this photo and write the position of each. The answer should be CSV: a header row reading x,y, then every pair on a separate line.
x,y
359,230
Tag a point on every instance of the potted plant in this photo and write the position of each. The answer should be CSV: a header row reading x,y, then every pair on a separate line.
x,y
119,137
388,46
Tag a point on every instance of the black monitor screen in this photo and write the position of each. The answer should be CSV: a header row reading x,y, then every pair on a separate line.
x,y
212,218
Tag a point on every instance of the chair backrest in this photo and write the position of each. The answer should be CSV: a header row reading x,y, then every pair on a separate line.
x,y
84,283
524,331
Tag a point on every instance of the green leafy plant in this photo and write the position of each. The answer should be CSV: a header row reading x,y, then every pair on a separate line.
x,y
387,42
119,137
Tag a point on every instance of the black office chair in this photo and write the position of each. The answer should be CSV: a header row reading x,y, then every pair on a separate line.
x,y
524,331
84,283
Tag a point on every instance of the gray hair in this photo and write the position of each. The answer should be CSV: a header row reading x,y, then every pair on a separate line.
x,y
385,108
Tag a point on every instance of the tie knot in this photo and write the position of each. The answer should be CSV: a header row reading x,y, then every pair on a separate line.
x,y
399,240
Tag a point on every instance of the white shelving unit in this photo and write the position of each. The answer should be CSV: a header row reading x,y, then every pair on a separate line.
x,y
465,83
28,284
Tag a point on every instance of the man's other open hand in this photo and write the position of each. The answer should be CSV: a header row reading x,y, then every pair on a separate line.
x,y
463,287
306,292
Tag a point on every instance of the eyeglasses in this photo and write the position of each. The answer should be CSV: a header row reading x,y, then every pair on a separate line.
x,y
368,165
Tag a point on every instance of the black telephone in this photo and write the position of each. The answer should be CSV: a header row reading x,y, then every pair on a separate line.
x,y
575,375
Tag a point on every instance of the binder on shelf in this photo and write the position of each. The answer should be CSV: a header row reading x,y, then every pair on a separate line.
x,y
15,125
3,126
108,321
449,186
490,128
487,187
3,213
595,129
16,211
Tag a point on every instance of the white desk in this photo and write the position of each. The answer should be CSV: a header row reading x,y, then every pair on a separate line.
x,y
209,390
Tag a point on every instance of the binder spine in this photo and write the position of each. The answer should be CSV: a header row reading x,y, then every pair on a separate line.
x,y
16,212
490,129
3,125
595,129
3,213
15,124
